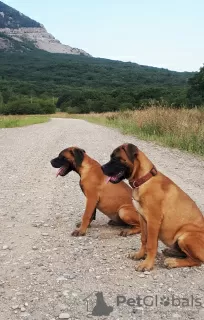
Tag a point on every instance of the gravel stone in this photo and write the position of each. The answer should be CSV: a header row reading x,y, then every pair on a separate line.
x,y
15,307
64,316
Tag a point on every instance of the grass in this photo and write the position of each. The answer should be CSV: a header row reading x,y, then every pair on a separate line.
x,y
177,128
21,121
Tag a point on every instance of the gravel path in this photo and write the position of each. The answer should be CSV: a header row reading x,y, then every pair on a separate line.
x,y
46,274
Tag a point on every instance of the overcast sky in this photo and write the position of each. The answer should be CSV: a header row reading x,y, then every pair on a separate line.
x,y
161,33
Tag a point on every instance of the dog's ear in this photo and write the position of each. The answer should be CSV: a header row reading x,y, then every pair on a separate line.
x,y
78,156
131,151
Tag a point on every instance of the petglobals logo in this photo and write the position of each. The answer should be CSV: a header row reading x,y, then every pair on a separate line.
x,y
160,301
98,304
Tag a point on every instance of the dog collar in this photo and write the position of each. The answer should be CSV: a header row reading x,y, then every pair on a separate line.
x,y
138,182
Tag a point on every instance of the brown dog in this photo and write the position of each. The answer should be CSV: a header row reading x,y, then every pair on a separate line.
x,y
166,212
115,201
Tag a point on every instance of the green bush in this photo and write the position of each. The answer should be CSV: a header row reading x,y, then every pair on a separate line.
x,y
195,92
47,107
1,109
73,110
64,106
126,106
21,107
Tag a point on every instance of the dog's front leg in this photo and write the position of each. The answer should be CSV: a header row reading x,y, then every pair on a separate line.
x,y
78,224
142,252
153,227
91,204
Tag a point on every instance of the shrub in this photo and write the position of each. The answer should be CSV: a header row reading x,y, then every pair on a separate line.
x,y
126,106
67,107
26,107
64,106
73,110
21,107
178,128
47,107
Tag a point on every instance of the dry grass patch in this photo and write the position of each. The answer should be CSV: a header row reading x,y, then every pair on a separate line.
x,y
179,128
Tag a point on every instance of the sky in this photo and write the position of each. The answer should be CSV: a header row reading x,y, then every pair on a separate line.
x,y
160,33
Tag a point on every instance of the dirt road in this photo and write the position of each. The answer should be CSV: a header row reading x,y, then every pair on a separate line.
x,y
46,274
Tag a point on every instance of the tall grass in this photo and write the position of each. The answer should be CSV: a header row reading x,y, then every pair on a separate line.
x,y
20,121
178,128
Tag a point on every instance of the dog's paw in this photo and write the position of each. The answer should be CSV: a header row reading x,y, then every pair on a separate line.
x,y
170,263
133,256
124,233
78,233
136,256
144,266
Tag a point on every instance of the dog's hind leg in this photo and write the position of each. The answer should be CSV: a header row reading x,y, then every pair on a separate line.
x,y
192,244
179,263
117,223
130,216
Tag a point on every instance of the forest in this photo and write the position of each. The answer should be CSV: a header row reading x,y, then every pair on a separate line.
x,y
84,84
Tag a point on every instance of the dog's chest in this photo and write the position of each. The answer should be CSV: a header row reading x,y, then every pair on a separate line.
x,y
136,202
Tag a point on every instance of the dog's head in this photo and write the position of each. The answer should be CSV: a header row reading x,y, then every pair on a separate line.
x,y
69,159
122,163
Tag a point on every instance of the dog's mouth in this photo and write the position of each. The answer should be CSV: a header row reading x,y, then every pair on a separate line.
x,y
117,178
63,171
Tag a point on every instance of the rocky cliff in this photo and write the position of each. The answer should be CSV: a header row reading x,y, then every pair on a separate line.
x,y
17,30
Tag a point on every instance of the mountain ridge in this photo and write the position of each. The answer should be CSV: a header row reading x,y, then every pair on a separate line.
x,y
13,19
18,27
93,84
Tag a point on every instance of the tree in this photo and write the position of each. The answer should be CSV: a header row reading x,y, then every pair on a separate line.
x,y
1,100
196,89
7,95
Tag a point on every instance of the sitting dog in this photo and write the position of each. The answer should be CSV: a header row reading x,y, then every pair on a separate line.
x,y
166,212
115,201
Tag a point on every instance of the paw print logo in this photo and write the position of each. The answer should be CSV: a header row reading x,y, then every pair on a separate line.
x,y
165,301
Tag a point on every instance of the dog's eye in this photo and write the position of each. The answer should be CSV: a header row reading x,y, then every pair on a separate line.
x,y
62,158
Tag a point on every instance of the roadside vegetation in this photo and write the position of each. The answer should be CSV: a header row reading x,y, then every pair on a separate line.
x,y
21,121
177,128
152,103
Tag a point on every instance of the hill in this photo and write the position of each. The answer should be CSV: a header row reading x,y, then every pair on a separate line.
x,y
23,33
70,70
11,18
105,83
34,65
